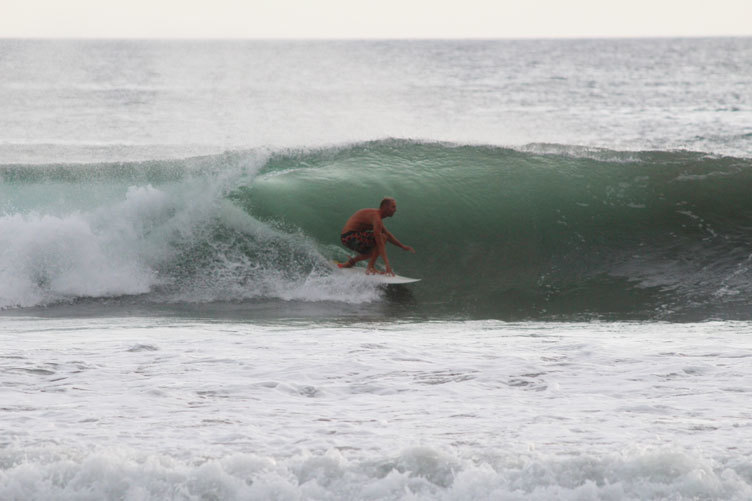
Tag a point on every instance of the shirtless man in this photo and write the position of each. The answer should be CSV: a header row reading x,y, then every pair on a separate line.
x,y
366,234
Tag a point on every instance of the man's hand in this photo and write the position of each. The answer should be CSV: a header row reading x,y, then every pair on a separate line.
x,y
374,271
408,248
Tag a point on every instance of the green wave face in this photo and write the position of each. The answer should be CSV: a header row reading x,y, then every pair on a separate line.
x,y
548,232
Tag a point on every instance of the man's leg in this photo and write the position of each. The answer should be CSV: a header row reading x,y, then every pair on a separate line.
x,y
374,256
371,264
364,244
351,262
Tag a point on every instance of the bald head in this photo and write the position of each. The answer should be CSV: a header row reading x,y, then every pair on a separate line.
x,y
386,201
388,207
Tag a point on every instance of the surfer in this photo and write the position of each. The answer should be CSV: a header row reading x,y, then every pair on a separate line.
x,y
366,234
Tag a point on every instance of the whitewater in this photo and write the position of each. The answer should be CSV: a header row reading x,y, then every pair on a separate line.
x,y
171,326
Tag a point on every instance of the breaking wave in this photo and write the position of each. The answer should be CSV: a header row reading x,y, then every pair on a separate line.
x,y
544,231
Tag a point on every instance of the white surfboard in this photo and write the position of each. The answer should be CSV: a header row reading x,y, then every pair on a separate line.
x,y
379,278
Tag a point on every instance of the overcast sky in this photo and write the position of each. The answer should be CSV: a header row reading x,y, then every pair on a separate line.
x,y
373,19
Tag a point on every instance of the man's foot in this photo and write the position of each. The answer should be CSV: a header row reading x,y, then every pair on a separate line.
x,y
349,264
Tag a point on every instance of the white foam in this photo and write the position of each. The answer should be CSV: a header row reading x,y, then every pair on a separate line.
x,y
49,258
432,410
412,474
137,244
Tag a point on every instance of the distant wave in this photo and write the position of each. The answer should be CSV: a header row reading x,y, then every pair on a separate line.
x,y
544,231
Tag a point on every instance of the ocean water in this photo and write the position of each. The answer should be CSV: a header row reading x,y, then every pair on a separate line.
x,y
171,326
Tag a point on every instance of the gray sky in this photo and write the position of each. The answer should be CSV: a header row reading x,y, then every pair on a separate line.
x,y
373,19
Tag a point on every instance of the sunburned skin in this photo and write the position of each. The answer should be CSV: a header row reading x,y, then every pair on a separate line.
x,y
370,236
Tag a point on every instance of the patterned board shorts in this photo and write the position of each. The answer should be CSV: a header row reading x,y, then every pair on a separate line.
x,y
361,242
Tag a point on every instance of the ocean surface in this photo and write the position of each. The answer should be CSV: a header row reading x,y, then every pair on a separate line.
x,y
171,326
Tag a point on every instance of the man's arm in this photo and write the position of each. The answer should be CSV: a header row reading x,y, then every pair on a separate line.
x,y
379,233
393,240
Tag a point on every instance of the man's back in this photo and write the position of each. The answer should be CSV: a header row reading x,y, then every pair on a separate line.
x,y
362,220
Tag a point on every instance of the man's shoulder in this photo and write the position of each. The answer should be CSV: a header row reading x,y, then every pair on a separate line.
x,y
367,213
